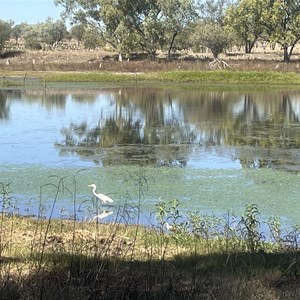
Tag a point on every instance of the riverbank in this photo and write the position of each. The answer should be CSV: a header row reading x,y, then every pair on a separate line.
x,y
186,68
84,260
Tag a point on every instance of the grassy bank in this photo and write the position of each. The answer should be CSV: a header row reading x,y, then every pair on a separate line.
x,y
196,77
233,78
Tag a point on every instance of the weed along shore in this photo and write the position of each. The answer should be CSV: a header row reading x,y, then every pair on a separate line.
x,y
199,258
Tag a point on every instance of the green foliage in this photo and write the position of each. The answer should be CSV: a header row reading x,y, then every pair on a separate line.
x,y
212,11
17,32
52,32
5,31
250,228
91,39
213,36
134,25
177,16
32,38
245,19
275,21
282,21
77,32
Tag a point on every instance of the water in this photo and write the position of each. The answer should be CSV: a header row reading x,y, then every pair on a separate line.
x,y
214,151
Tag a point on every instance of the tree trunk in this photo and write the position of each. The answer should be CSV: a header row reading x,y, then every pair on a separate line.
x,y
171,45
286,54
249,46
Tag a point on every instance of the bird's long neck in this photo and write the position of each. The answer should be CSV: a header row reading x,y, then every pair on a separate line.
x,y
94,190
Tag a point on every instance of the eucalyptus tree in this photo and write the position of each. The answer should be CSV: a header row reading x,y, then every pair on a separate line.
x,y
177,15
144,25
213,11
5,30
91,38
32,37
124,24
52,32
245,18
17,31
77,32
213,36
281,19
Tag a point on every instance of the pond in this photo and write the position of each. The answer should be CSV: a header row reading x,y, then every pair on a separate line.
x,y
214,151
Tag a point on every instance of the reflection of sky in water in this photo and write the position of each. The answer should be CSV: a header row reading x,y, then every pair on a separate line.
x,y
211,159
29,135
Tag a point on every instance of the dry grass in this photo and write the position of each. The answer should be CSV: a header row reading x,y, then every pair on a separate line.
x,y
109,261
98,60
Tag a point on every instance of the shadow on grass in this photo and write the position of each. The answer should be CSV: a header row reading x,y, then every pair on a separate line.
x,y
214,276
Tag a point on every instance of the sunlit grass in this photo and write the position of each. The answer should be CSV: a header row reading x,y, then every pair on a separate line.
x,y
199,77
182,77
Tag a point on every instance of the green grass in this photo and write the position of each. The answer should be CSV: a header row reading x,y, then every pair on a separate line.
x,y
196,77
231,78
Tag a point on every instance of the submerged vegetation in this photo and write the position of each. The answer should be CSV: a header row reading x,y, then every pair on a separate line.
x,y
192,256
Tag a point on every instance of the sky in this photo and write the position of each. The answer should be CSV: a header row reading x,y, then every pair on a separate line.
x,y
29,11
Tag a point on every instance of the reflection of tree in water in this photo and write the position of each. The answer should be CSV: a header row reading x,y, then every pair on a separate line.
x,y
4,107
153,139
269,132
5,97
125,142
161,127
47,99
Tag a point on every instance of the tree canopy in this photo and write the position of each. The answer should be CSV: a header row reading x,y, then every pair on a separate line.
x,y
167,25
5,30
146,25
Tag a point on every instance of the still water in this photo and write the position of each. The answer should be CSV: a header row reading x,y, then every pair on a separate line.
x,y
213,151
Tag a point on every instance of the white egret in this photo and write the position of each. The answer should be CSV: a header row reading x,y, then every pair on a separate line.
x,y
169,227
103,215
173,228
100,196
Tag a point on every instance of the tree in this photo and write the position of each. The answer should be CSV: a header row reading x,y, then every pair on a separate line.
x,y
91,38
5,30
177,15
52,32
212,11
281,19
32,37
144,25
245,19
106,16
77,32
213,36
17,31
